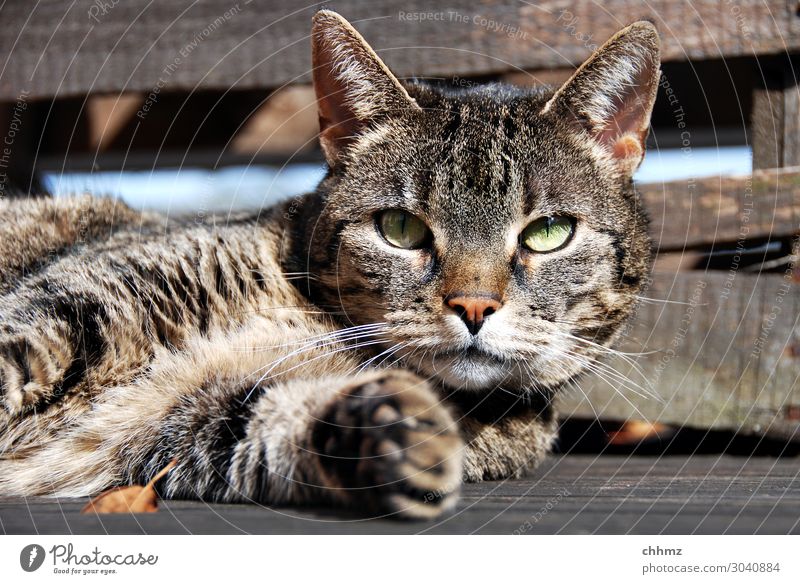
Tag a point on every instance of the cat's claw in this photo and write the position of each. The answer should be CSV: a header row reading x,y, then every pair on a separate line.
x,y
392,447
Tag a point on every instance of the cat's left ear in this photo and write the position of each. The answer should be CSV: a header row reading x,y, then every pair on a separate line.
x,y
353,86
611,95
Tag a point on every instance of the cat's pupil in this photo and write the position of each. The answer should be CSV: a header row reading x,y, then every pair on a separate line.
x,y
548,233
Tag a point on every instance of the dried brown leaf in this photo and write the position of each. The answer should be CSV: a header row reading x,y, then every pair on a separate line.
x,y
132,499
636,431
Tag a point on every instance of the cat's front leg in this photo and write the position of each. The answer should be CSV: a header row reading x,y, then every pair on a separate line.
x,y
506,447
379,442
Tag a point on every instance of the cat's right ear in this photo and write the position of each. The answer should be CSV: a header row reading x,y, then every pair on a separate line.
x,y
353,86
611,95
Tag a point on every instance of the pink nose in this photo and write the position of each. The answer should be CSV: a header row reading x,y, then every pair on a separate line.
x,y
473,308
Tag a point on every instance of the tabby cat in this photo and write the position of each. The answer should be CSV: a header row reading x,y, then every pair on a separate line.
x,y
373,344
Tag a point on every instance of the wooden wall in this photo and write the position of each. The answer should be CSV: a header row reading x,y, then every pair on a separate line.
x,y
106,84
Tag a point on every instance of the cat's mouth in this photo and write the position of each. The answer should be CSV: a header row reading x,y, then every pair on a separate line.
x,y
471,353
467,368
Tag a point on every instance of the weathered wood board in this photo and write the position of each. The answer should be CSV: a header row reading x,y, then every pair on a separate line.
x,y
567,494
734,363
721,351
719,348
775,118
699,212
56,49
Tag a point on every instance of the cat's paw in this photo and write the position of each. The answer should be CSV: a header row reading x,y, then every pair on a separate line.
x,y
391,447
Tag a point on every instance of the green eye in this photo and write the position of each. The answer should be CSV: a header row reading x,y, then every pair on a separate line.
x,y
403,229
547,233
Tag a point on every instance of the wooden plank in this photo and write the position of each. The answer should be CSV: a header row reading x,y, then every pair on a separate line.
x,y
722,351
108,115
775,118
567,494
285,125
778,353
698,212
60,49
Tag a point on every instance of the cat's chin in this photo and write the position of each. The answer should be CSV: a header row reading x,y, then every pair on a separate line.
x,y
467,372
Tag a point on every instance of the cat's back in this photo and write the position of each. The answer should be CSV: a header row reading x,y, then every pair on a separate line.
x,y
200,271
36,232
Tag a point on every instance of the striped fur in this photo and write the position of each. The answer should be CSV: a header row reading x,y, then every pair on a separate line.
x,y
293,356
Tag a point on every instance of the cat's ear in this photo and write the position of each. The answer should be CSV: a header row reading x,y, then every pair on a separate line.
x,y
611,95
352,84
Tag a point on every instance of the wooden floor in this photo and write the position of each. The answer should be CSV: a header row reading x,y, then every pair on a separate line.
x,y
569,494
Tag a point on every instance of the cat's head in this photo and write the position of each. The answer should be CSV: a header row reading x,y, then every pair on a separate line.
x,y
494,229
